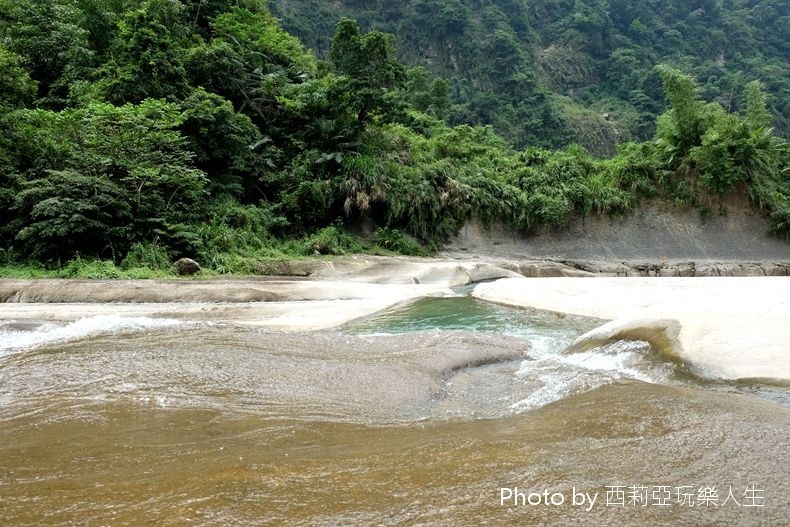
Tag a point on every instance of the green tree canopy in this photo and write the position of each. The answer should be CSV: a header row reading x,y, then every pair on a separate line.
x,y
368,63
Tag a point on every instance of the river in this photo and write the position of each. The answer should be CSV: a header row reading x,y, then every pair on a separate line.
x,y
437,412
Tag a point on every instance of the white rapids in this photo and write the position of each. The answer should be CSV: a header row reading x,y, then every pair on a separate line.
x,y
19,338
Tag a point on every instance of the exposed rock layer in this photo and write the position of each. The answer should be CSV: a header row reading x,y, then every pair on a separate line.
x,y
730,328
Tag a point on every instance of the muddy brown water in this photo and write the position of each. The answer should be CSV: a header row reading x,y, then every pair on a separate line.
x,y
386,423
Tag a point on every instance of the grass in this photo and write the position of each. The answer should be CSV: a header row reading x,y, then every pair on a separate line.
x,y
87,269
150,261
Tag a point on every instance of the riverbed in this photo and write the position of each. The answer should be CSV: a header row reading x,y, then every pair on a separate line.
x,y
436,410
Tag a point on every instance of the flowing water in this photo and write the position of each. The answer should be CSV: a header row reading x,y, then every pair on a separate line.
x,y
430,414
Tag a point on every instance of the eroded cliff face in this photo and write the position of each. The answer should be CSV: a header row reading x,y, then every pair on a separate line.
x,y
657,233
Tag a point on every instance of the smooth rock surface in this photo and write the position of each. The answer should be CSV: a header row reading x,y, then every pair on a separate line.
x,y
399,270
338,293
728,328
236,290
285,316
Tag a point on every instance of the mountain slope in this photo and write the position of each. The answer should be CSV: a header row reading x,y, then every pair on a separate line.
x,y
554,72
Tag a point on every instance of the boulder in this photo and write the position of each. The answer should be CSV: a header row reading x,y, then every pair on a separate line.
x,y
187,266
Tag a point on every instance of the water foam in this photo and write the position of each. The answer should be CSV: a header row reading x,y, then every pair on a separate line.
x,y
48,333
563,375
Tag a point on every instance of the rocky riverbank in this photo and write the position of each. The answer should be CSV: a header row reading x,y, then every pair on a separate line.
x,y
730,327
642,268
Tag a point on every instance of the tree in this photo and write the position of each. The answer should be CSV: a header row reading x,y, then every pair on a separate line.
x,y
17,89
148,55
370,68
226,143
249,61
69,212
757,114
203,12
721,149
427,93
682,127
50,43
100,178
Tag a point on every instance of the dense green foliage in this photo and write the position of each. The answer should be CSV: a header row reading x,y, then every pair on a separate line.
x,y
134,133
555,72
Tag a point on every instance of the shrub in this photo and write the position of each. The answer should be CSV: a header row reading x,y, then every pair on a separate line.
x,y
394,240
146,256
90,268
330,240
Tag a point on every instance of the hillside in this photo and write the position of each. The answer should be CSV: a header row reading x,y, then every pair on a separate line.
x,y
555,72
136,133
